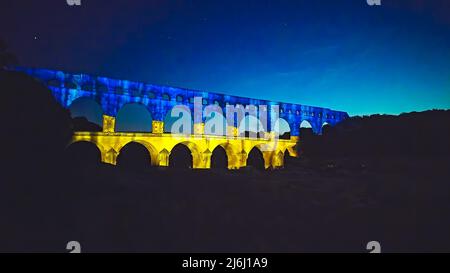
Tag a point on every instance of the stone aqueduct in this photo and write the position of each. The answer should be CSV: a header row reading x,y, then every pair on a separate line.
x,y
113,94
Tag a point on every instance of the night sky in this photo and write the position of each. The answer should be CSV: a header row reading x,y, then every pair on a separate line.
x,y
340,54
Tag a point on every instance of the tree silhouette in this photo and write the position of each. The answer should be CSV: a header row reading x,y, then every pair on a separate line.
x,y
6,58
409,134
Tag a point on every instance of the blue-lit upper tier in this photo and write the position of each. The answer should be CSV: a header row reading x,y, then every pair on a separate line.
x,y
113,94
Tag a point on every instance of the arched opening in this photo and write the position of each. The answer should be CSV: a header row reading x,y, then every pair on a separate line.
x,y
326,127
180,157
282,127
134,156
83,153
306,129
133,117
219,158
87,115
255,159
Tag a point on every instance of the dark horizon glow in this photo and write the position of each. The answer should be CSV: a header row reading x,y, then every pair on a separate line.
x,y
343,55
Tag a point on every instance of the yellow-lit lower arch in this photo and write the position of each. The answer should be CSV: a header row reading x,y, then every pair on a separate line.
x,y
159,146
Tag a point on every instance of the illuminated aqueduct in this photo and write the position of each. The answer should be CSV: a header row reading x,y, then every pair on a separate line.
x,y
113,94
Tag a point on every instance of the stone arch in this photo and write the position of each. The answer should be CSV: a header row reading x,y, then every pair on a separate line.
x,y
92,140
219,158
152,151
258,145
283,127
325,128
196,153
232,154
181,156
306,128
255,158
133,117
305,124
88,108
134,155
